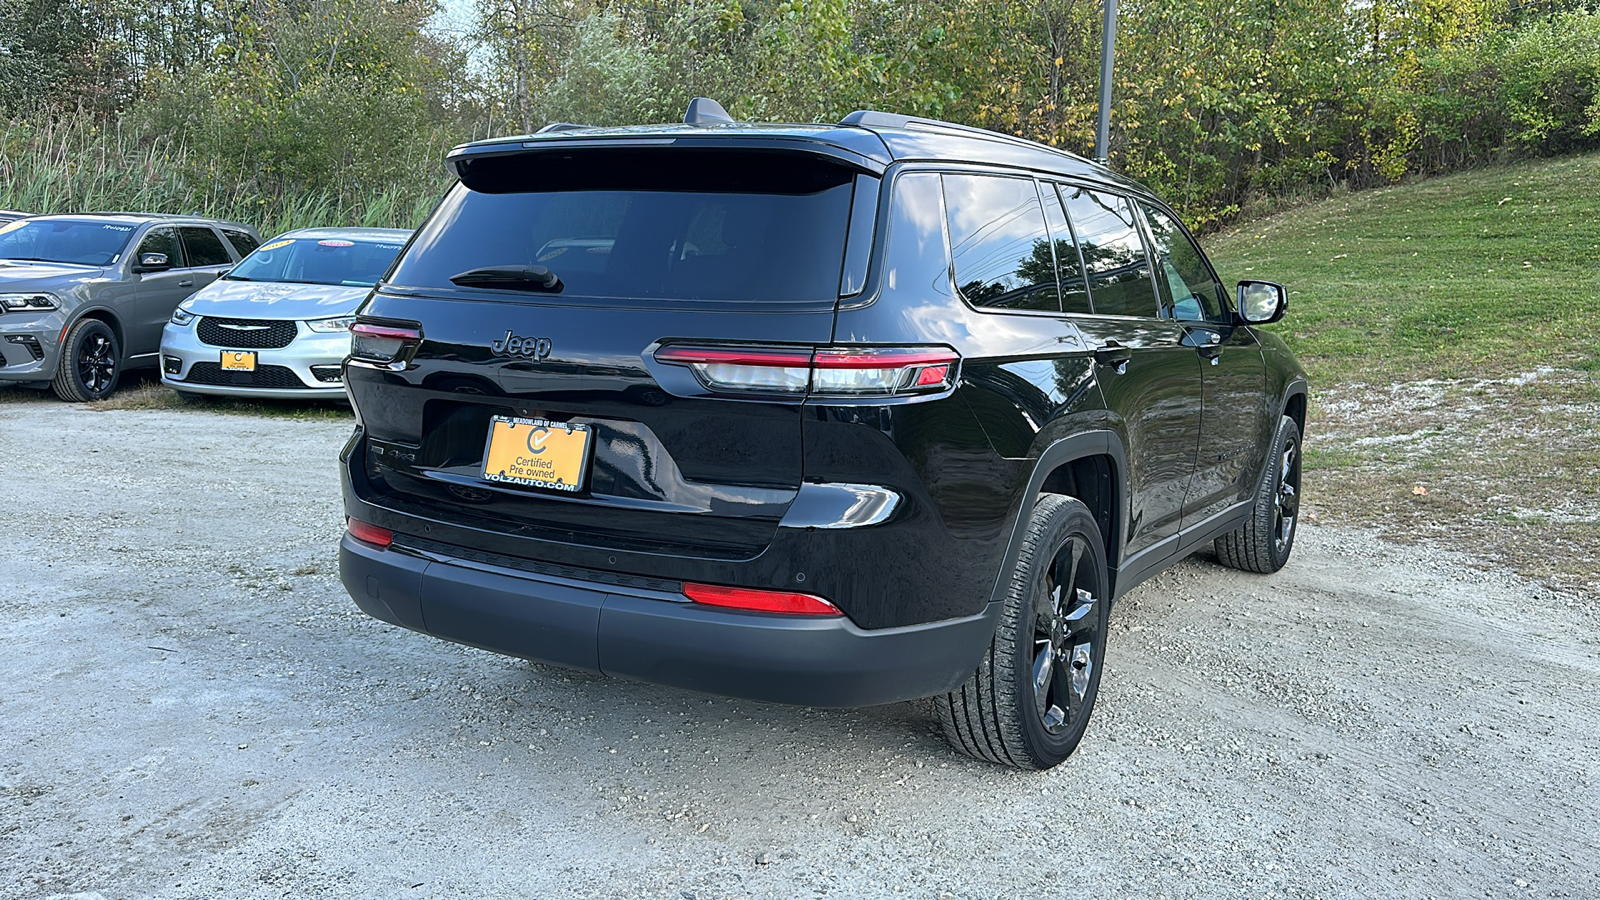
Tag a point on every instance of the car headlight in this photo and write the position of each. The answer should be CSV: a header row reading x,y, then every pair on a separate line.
x,y
342,323
181,316
20,302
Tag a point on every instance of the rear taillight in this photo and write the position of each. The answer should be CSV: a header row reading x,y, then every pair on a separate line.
x,y
824,371
372,534
760,601
383,344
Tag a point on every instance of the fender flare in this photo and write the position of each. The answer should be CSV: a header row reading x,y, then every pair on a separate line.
x,y
1297,386
1077,446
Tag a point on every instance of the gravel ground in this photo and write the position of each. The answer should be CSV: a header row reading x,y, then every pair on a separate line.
x,y
193,708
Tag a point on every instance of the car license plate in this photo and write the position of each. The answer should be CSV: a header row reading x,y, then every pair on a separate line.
x,y
238,361
536,453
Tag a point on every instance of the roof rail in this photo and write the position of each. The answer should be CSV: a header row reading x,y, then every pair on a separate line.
x,y
563,126
871,118
706,111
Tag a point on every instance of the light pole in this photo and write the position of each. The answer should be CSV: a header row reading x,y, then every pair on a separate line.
x,y
1108,47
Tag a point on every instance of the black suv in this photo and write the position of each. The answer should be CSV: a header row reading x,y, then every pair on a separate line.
x,y
833,415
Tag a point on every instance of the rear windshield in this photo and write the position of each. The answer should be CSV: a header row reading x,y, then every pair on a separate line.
x,y
318,261
65,241
661,225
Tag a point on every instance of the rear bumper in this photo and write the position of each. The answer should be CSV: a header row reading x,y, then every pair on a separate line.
x,y
658,636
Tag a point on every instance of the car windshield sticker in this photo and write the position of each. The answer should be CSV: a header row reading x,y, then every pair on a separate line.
x,y
12,226
117,227
276,244
337,243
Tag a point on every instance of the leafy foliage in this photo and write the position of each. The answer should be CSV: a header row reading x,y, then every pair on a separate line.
x,y
281,108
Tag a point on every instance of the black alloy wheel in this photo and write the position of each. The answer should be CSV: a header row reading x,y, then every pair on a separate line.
x,y
1286,501
91,362
1030,700
1263,543
1065,635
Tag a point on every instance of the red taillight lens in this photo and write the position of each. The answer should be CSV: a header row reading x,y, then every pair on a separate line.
x,y
881,370
760,601
826,371
371,534
384,344
785,371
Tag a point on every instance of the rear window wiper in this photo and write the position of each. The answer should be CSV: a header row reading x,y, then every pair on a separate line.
x,y
510,278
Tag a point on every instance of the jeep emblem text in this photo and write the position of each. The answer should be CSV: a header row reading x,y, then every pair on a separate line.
x,y
515,345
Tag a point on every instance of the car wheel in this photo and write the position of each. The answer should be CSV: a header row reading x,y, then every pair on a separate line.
x,y
91,362
1264,541
1029,702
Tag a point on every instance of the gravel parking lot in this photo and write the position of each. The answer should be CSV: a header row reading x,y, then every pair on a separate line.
x,y
192,707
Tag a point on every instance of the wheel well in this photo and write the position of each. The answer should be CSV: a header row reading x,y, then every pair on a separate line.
x,y
111,321
1092,481
1296,410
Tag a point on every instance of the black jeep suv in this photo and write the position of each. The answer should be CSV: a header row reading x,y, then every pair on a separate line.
x,y
822,414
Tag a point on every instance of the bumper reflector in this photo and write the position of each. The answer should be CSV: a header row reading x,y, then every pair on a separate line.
x,y
760,601
372,534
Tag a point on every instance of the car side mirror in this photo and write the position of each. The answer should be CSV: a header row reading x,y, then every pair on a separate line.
x,y
1262,302
154,262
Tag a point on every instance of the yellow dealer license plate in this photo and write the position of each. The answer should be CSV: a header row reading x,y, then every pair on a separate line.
x,y
536,453
238,361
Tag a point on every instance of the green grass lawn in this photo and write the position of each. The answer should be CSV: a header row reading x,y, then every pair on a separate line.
x,y
1488,273
1451,328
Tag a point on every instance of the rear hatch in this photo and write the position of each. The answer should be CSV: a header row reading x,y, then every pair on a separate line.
x,y
652,247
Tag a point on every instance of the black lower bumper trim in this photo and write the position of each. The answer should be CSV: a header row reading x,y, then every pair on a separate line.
x,y
805,660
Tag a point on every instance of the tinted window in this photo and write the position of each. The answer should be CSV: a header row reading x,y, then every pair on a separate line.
x,y
663,226
1069,266
64,240
1113,254
916,261
329,260
242,241
162,240
203,247
999,243
1191,292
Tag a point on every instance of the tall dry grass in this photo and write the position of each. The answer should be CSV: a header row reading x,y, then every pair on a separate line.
x,y
75,165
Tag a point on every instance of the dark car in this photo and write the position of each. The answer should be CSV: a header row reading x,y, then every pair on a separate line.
x,y
833,415
84,297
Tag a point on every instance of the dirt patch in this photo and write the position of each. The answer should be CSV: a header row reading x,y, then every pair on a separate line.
x,y
194,708
1506,470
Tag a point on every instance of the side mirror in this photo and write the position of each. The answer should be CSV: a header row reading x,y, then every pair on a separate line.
x,y
153,262
1262,302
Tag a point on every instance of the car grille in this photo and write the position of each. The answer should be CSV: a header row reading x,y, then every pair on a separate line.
x,y
246,334
278,377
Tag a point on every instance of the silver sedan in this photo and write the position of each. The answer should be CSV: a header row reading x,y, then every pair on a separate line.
x,y
277,325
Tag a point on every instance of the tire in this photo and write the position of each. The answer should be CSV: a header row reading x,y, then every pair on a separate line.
x,y
1264,542
91,362
1054,625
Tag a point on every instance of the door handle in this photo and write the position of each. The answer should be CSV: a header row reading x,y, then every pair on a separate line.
x,y
189,283
1114,355
1208,344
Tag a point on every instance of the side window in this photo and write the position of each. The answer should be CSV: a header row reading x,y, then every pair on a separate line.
x,y
1191,292
161,240
203,247
241,241
1069,265
916,260
1119,273
999,243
